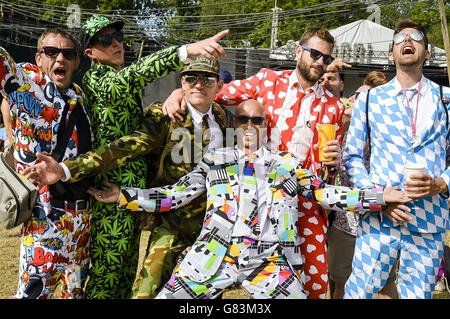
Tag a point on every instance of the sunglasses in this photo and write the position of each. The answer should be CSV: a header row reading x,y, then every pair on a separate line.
x,y
243,119
106,40
207,80
53,52
316,55
415,35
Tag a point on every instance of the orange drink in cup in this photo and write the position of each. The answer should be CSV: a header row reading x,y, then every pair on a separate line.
x,y
327,132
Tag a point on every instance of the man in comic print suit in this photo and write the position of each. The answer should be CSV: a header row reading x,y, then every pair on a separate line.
x,y
54,247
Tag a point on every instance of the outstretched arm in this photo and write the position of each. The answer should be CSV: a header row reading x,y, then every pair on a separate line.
x,y
104,158
344,198
158,199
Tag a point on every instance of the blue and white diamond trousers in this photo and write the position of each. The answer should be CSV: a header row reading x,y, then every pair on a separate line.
x,y
376,249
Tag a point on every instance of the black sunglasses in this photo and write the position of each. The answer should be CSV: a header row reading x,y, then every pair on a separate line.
x,y
106,40
53,52
243,119
316,54
207,80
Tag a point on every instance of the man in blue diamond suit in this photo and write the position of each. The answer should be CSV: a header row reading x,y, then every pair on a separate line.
x,y
407,123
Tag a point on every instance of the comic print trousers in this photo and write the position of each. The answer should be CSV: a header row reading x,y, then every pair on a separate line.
x,y
172,233
115,240
260,267
376,250
54,254
312,229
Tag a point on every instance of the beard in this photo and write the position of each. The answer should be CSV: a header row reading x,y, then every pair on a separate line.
x,y
305,71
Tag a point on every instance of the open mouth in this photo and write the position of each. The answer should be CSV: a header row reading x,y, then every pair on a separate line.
x,y
60,72
408,50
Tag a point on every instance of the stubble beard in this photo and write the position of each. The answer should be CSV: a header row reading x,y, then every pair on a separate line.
x,y
305,72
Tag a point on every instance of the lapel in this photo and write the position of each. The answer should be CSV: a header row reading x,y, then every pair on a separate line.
x,y
220,116
230,160
281,84
270,163
434,118
397,114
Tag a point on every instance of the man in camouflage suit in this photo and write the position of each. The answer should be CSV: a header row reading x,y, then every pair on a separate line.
x,y
159,139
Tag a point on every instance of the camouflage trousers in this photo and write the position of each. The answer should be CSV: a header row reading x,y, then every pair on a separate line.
x,y
172,233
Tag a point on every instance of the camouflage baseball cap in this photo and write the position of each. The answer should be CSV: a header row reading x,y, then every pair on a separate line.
x,y
94,24
202,64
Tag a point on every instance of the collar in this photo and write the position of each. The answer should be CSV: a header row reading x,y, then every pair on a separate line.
x,y
293,82
196,115
424,86
260,153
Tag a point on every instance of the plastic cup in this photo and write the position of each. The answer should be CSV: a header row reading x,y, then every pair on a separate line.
x,y
327,132
412,168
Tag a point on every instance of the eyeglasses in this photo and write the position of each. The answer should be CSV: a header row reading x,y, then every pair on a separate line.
x,y
106,40
415,35
207,80
316,55
243,119
53,52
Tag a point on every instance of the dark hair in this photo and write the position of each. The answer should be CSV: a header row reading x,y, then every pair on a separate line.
x,y
321,33
408,23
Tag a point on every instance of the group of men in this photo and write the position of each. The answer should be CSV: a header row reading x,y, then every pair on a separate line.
x,y
263,219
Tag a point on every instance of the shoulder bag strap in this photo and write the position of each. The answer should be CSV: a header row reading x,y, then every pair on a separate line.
x,y
63,139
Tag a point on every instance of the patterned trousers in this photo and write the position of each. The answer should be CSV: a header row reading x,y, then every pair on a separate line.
x,y
260,267
172,233
54,254
312,225
377,247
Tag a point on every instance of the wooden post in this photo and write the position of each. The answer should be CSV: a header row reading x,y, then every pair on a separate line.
x,y
445,35
141,49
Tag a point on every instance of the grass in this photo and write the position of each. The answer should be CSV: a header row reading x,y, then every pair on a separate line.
x,y
9,252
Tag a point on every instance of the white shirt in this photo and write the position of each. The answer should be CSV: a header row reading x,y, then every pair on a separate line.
x,y
240,229
216,136
425,110
302,134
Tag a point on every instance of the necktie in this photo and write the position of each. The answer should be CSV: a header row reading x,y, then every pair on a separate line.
x,y
249,198
206,133
286,135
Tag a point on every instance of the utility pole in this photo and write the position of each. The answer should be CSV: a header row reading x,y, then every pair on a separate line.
x,y
445,35
274,35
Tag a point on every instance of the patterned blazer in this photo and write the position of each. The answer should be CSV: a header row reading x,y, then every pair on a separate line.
x,y
218,175
391,148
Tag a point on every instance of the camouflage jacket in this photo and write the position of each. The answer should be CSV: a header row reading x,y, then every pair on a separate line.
x,y
115,109
154,140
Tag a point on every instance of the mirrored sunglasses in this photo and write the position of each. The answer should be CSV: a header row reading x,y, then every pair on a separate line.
x,y
243,119
106,40
207,80
53,52
316,54
415,35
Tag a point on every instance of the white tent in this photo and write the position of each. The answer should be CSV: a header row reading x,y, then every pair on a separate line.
x,y
365,41
362,41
